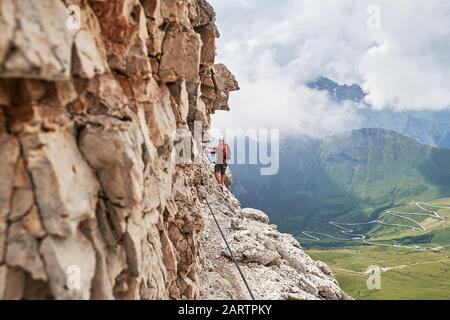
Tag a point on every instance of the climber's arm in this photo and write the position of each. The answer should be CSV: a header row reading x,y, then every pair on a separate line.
x,y
211,150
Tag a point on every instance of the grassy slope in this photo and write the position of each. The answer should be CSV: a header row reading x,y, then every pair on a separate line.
x,y
422,281
383,167
427,279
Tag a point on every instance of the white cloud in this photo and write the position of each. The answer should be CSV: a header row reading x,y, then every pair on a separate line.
x,y
269,98
276,47
411,69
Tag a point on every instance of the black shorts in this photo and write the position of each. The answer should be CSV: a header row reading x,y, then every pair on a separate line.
x,y
222,168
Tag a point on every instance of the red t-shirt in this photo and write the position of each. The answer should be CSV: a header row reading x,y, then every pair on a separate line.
x,y
223,153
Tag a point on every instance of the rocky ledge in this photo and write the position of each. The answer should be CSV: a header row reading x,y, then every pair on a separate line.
x,y
273,263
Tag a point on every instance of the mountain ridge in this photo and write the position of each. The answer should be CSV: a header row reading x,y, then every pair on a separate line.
x,y
351,175
426,127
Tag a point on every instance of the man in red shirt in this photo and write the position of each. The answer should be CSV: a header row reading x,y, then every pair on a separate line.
x,y
222,152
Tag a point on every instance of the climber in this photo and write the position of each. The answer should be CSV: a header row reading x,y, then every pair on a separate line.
x,y
222,152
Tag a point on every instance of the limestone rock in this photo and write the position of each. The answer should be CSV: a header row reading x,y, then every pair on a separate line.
x,y
181,106
3,230
255,214
184,147
324,268
155,22
4,100
65,261
104,95
226,77
202,13
21,202
175,11
134,238
32,223
12,283
217,83
273,263
118,163
123,24
161,120
33,90
144,90
66,188
197,107
22,251
7,25
89,50
88,135
181,55
228,178
9,153
208,35
34,46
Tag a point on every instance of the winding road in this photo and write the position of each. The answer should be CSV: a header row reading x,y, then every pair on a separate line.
x,y
346,228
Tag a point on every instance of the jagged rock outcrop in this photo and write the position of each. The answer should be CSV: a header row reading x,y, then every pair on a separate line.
x,y
101,174
92,121
273,263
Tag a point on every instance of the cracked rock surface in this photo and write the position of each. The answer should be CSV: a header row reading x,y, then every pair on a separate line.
x,y
273,263
90,122
93,122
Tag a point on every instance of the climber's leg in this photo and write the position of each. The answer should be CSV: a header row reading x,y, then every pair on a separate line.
x,y
218,177
217,171
223,170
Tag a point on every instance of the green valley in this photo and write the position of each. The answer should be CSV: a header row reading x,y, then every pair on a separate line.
x,y
415,264
348,177
408,274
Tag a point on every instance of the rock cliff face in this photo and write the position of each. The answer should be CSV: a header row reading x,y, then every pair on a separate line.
x,y
273,263
102,181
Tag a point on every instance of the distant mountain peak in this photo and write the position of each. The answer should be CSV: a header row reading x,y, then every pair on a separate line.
x,y
337,91
376,134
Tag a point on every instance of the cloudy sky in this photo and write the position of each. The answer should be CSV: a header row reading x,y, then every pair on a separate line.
x,y
397,50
